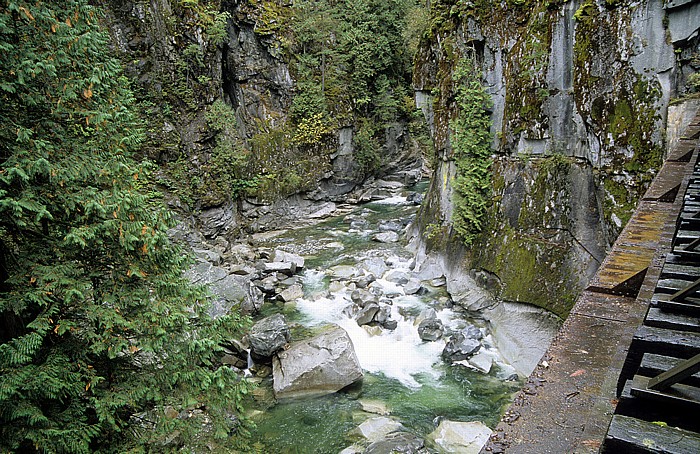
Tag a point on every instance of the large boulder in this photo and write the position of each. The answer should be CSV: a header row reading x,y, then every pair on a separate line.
x,y
291,293
268,336
227,290
283,256
288,268
375,429
324,364
430,329
413,286
461,437
386,237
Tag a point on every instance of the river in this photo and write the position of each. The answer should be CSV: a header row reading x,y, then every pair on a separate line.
x,y
404,376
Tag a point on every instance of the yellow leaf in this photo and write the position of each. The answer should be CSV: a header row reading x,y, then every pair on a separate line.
x,y
26,13
68,23
87,93
54,27
144,249
87,386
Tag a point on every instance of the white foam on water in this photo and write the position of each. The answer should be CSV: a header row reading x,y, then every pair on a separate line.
x,y
398,354
394,200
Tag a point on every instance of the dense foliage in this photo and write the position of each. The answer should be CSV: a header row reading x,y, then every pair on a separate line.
x,y
471,145
353,67
104,345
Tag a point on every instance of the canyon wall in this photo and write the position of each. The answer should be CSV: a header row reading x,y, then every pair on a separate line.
x,y
580,93
216,83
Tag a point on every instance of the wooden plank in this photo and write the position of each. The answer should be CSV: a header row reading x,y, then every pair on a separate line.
x,y
685,307
680,396
660,297
653,365
689,290
673,285
631,435
680,259
678,373
669,342
678,271
661,318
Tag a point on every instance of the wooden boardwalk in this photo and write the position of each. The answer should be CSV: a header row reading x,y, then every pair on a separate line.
x,y
569,401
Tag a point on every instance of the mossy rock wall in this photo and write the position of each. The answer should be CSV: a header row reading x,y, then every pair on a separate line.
x,y
579,86
187,58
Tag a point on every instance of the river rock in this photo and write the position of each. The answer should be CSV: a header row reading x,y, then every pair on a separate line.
x,y
460,437
336,286
291,293
415,198
373,330
364,281
397,442
362,297
438,281
390,324
425,314
366,315
268,336
283,256
460,347
377,407
343,272
288,268
482,362
412,287
472,332
324,364
375,265
397,277
390,226
254,299
386,237
207,255
323,211
375,429
228,290
430,329
383,315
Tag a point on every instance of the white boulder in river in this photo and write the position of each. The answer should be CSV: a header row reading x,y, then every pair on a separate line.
x,y
322,365
461,437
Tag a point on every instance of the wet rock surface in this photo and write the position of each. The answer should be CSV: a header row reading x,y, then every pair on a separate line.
x,y
324,364
460,437
269,336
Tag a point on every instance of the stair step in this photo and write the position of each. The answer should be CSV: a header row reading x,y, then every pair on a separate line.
x,y
631,435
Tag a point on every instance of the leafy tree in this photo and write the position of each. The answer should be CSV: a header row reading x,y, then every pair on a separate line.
x,y
353,66
104,345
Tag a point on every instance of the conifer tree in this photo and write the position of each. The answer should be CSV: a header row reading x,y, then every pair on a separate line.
x,y
104,346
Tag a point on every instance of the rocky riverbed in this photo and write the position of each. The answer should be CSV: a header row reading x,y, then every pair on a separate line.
x,y
357,346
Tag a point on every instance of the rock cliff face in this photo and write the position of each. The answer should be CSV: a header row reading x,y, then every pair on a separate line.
x,y
188,59
580,95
